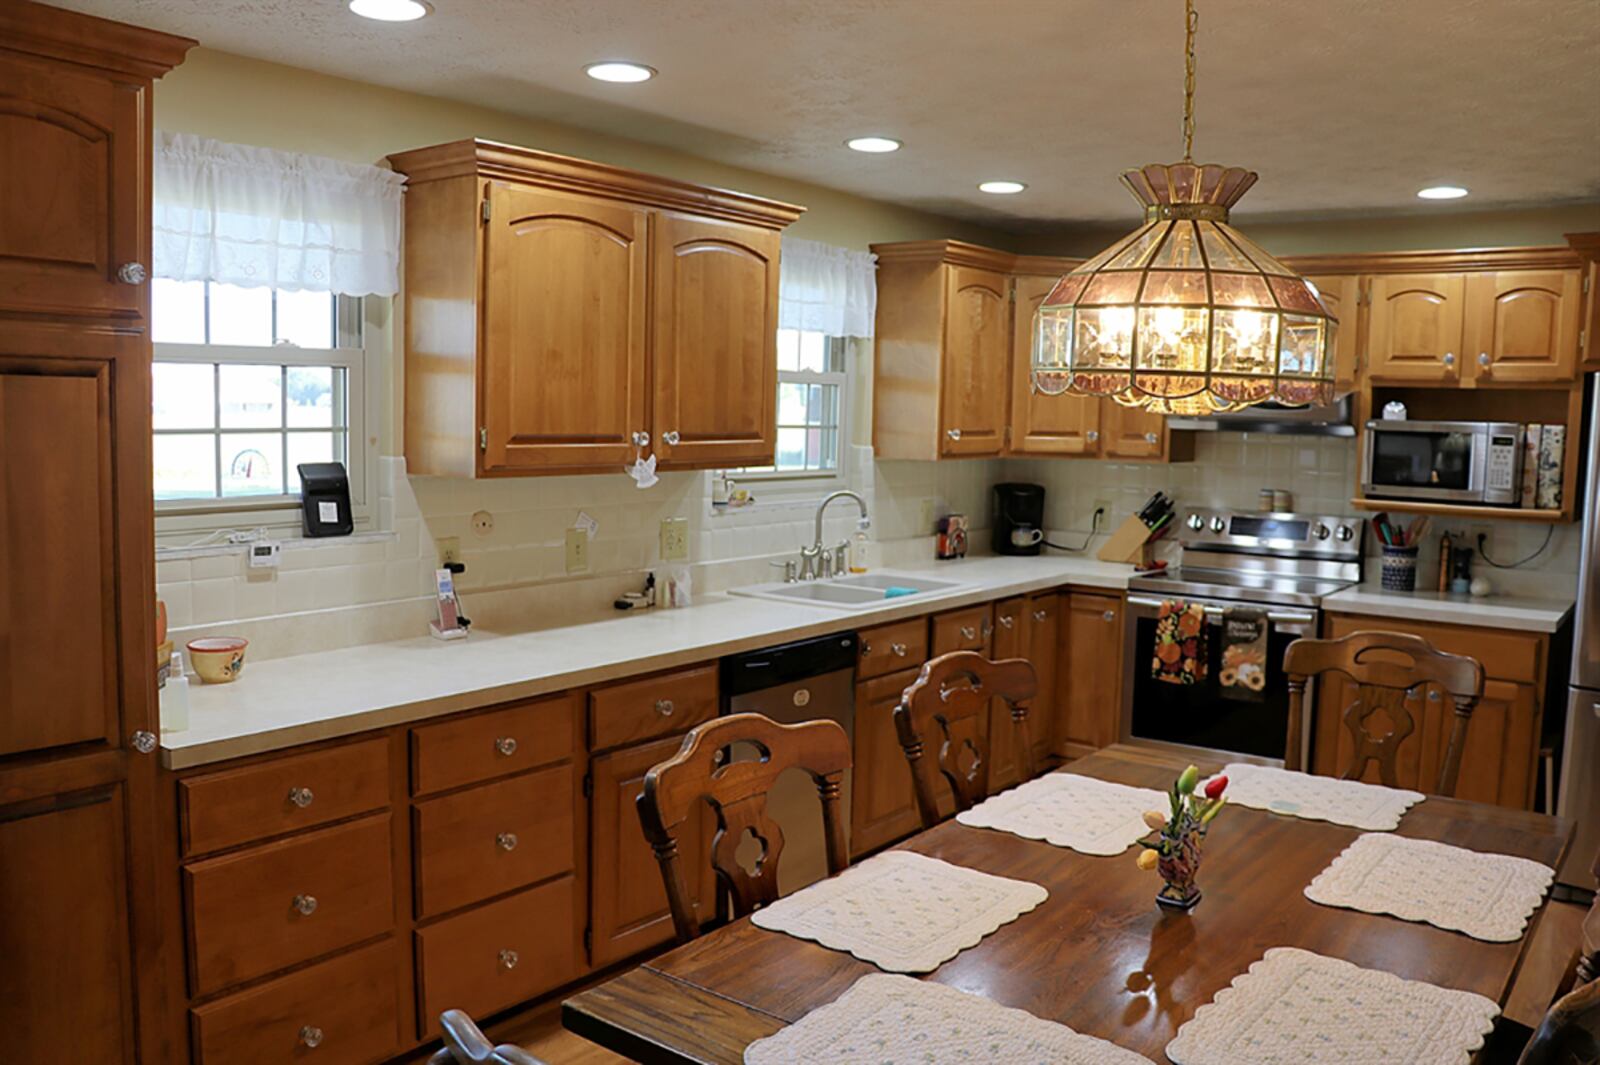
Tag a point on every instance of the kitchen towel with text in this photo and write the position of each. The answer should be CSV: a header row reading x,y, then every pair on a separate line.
x,y
1180,652
1244,654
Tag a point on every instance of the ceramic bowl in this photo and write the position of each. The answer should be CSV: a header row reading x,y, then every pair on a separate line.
x,y
217,659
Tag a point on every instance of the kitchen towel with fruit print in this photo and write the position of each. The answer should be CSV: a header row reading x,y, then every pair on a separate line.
x,y
1244,654
1180,651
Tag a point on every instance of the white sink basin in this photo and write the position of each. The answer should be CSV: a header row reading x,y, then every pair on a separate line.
x,y
857,592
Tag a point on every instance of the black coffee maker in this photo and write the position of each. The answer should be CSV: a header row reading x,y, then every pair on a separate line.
x,y
1018,518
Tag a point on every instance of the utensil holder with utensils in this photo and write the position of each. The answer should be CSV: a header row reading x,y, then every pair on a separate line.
x,y
1399,570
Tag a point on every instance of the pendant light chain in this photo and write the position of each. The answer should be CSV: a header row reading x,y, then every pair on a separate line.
x,y
1191,20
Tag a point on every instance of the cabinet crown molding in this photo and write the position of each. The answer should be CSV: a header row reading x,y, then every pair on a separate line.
x,y
41,30
1553,257
1586,245
529,166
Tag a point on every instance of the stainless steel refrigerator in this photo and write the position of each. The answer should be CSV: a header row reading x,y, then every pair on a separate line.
x,y
1580,764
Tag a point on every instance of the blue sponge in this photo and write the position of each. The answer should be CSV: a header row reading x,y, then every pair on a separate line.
x,y
895,591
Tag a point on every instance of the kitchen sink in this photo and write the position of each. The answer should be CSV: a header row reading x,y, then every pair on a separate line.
x,y
857,592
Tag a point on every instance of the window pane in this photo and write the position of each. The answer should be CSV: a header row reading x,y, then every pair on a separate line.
x,y
788,349
791,449
813,352
185,466
183,395
310,447
311,396
252,464
252,397
791,404
241,315
306,318
829,459
177,311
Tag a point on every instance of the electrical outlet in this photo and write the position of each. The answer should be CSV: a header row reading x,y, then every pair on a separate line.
x,y
674,539
1481,539
577,551
483,523
449,550
1103,505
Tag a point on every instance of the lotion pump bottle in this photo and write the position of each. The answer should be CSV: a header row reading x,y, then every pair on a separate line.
x,y
860,550
175,697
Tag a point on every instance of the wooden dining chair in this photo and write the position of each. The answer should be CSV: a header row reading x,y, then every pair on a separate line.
x,y
737,793
1386,667
946,705
1570,1032
465,1044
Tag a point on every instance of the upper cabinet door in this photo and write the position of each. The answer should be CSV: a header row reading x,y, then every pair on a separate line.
x,y
1043,424
1522,325
1415,328
715,360
563,346
1342,295
977,357
1589,324
70,219
1131,433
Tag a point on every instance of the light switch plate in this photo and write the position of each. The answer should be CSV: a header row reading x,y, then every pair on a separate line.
x,y
674,539
577,551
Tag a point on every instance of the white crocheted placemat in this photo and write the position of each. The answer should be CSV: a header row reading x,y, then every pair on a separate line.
x,y
903,912
1487,896
1317,798
895,1020
1294,1007
1069,810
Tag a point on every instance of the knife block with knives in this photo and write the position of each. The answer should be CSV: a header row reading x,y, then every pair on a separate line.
x,y
1133,539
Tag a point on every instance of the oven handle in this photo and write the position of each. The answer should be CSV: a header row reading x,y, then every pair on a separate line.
x,y
1276,617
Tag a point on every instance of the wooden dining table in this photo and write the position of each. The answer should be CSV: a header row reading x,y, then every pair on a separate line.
x,y
1098,955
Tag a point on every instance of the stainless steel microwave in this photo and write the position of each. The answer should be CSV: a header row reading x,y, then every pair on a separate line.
x,y
1465,462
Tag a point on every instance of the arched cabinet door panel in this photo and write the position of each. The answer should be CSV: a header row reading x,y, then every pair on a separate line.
x,y
1523,325
1043,424
1415,328
70,219
563,351
714,348
977,358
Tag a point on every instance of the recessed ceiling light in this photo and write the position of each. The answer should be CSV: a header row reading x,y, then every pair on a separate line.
x,y
390,10
1441,192
619,71
873,144
1001,188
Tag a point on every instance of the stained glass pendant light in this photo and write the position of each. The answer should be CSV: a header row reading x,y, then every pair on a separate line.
x,y
1186,315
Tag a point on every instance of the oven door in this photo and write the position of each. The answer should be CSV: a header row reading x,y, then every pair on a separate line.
x,y
1205,716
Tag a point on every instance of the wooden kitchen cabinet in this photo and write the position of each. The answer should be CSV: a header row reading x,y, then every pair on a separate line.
x,y
975,363
627,901
620,312
1044,649
1089,684
1522,325
1414,330
1043,424
1341,294
1499,761
88,959
1587,245
1011,632
1131,433
883,804
715,357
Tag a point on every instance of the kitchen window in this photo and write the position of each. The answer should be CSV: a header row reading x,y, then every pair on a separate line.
x,y
247,384
812,385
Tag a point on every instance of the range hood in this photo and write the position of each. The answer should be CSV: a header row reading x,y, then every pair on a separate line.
x,y
1331,420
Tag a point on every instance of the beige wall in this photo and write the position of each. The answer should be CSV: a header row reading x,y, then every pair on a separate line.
x,y
247,101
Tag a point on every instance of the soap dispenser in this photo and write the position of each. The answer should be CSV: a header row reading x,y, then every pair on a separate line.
x,y
861,549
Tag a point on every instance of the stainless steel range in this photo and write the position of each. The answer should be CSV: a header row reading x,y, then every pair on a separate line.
x,y
1243,567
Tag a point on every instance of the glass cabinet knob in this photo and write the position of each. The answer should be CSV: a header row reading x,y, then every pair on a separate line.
x,y
506,746
509,959
1093,435
1483,358
1449,358
899,650
968,632
143,741
1110,615
301,797
670,436
664,707
132,273
1040,615
506,841
305,905
1151,438
1006,621
311,1036
954,434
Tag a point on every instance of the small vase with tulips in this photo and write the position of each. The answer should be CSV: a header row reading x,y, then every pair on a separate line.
x,y
1173,846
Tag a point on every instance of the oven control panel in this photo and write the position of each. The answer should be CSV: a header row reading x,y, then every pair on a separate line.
x,y
1263,532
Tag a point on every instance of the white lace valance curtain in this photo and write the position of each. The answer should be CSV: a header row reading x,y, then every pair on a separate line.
x,y
254,216
832,290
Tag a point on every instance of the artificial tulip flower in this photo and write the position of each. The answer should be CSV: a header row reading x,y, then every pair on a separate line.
x,y
1148,859
1155,819
1216,786
1188,780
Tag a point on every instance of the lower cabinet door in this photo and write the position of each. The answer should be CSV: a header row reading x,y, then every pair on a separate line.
x,y
1044,644
1010,641
883,806
627,899
341,1012
498,954
1091,688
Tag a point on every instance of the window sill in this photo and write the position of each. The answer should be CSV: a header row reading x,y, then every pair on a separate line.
x,y
298,543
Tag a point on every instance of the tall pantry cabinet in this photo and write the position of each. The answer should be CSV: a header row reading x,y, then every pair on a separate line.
x,y
82,978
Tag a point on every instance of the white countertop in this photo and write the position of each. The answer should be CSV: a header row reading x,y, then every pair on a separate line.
x,y
1491,611
284,702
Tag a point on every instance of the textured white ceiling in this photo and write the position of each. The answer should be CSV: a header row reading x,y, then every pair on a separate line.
x,y
1341,105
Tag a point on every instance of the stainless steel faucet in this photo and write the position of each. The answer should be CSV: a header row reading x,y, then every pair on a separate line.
x,y
818,562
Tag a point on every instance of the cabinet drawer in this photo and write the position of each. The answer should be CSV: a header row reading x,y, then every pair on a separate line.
x,y
496,744
653,706
283,903
1503,654
284,795
890,648
487,840
496,955
341,1012
963,630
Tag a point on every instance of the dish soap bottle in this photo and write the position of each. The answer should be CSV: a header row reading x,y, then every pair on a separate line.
x,y
175,697
860,550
